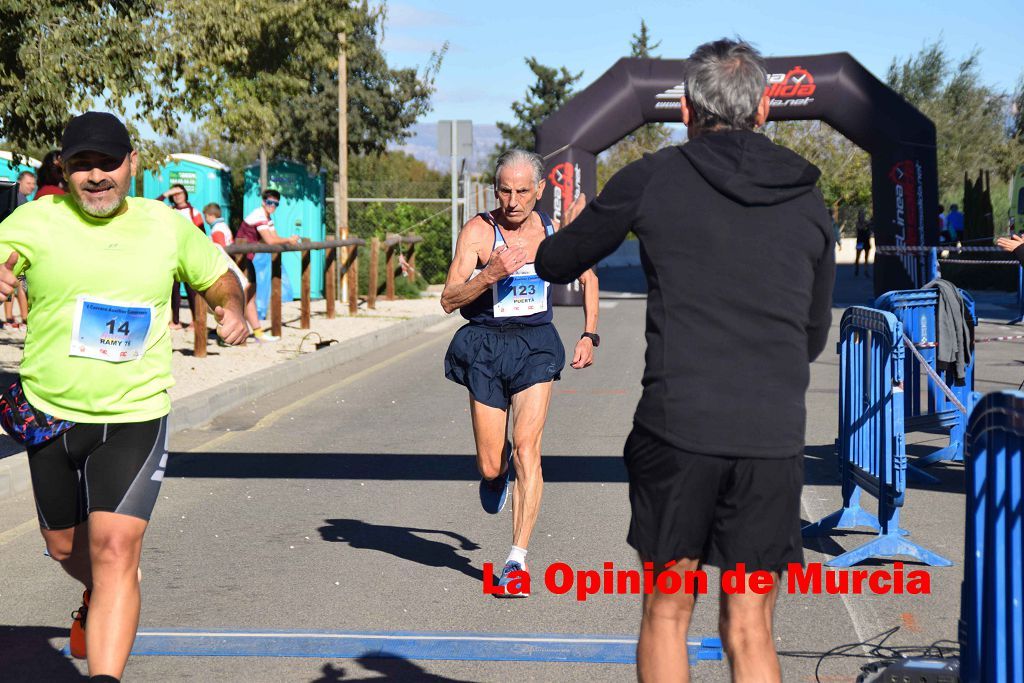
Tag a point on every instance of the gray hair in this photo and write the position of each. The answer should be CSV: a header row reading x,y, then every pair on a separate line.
x,y
725,81
517,157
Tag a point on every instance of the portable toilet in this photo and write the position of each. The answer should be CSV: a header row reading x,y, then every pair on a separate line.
x,y
206,180
301,213
11,168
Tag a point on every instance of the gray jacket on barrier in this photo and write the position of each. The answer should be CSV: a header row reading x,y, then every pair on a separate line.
x,y
954,332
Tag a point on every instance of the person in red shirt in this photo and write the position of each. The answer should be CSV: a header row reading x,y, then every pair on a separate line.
x,y
177,196
221,235
51,176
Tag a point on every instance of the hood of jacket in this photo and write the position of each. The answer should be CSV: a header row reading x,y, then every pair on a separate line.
x,y
749,168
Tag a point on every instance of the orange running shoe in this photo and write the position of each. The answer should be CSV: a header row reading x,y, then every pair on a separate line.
x,y
77,645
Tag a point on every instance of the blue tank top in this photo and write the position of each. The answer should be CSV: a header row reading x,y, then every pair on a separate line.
x,y
515,295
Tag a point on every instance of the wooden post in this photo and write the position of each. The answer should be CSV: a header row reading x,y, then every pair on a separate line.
x,y
263,169
275,294
199,327
389,273
353,282
330,279
304,315
371,300
341,189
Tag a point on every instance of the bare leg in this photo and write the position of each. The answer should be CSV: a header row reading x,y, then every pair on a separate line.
x,y
22,303
70,547
745,623
661,655
250,314
115,545
529,413
490,430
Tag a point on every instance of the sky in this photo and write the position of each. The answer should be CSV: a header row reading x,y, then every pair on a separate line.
x,y
484,70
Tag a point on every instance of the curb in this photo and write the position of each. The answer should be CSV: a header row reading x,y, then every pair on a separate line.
x,y
201,407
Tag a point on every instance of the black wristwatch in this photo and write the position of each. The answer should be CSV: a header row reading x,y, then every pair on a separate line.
x,y
593,336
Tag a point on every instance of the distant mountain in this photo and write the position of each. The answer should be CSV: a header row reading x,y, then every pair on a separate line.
x,y
423,145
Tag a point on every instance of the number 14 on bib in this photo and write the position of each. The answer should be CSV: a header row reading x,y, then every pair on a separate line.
x,y
110,330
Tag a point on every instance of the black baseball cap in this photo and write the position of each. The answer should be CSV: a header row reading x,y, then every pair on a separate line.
x,y
95,131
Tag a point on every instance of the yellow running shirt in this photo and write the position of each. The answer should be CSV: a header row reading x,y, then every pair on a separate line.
x,y
97,347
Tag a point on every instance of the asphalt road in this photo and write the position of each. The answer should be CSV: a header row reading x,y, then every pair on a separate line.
x,y
348,504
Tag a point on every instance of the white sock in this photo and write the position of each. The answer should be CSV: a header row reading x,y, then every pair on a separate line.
x,y
517,555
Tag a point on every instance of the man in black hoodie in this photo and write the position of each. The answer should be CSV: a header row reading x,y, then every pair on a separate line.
x,y
737,248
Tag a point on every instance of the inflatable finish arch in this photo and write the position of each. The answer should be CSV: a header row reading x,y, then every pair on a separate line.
x,y
833,88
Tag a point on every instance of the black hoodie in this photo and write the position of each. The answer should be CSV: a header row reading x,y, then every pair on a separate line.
x,y
737,247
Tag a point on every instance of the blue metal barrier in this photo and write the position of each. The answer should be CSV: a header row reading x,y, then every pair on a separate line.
x,y
871,447
917,309
992,597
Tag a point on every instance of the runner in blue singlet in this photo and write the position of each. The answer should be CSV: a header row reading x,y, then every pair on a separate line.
x,y
509,353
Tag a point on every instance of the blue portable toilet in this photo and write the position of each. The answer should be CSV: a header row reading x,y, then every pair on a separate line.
x,y
301,213
206,180
11,168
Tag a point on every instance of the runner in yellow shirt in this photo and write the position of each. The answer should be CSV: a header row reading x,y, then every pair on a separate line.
x,y
97,366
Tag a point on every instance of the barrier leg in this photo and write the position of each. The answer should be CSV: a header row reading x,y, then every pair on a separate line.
x,y
851,516
889,544
1020,297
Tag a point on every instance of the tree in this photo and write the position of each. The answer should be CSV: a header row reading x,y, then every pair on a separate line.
x,y
270,79
550,91
845,168
63,57
970,117
648,138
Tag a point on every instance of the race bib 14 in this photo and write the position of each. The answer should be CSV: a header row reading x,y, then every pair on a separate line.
x,y
110,330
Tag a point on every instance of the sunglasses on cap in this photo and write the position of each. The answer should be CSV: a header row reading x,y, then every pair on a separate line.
x,y
271,202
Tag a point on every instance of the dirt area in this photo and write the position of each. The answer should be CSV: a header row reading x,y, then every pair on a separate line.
x,y
222,364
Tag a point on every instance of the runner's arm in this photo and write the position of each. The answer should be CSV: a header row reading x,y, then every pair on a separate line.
x,y
599,229
459,289
226,300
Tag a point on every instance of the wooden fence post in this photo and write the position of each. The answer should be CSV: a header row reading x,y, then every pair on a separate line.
x,y
389,265
353,282
306,289
371,300
275,294
330,259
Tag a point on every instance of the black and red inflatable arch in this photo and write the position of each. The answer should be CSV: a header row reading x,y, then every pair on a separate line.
x,y
833,88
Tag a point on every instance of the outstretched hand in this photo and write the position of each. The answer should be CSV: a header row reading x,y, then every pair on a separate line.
x,y
575,209
8,280
1010,243
231,326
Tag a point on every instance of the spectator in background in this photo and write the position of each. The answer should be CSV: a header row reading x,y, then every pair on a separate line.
x,y
863,242
220,233
177,196
955,223
51,176
257,227
26,186
943,236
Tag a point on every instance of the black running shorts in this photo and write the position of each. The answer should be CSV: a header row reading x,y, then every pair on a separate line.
x,y
496,362
721,510
99,467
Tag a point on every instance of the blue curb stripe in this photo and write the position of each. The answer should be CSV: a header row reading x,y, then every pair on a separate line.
x,y
522,647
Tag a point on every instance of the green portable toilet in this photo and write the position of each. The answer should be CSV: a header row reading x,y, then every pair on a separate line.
x,y
206,180
11,168
301,213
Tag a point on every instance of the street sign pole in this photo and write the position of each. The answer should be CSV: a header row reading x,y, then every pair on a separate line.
x,y
455,185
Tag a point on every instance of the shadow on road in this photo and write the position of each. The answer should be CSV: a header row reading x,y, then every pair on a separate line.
x,y
403,543
28,655
393,668
381,466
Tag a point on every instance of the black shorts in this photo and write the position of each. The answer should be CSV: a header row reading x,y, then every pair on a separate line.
x,y
99,467
496,362
721,510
